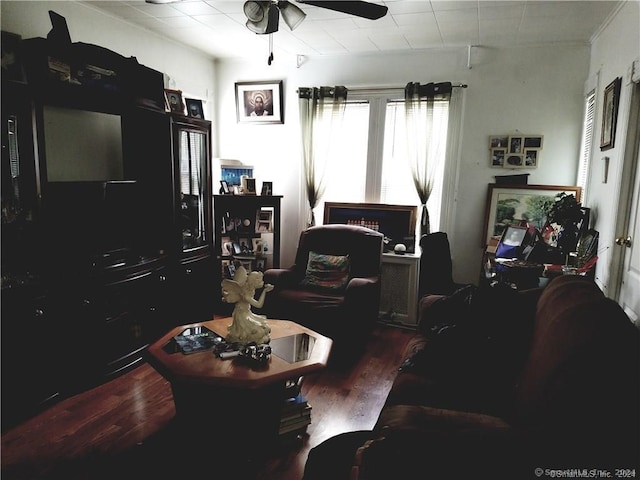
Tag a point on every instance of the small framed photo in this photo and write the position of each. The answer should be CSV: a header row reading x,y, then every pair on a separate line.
x,y
259,102
257,246
174,100
533,141
513,236
511,241
251,186
531,158
497,157
224,188
246,245
194,108
226,246
514,161
515,144
230,270
260,264
267,188
498,141
610,114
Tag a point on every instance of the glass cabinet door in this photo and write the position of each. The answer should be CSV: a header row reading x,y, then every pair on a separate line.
x,y
193,160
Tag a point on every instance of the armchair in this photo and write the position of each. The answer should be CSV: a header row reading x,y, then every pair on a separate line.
x,y
334,285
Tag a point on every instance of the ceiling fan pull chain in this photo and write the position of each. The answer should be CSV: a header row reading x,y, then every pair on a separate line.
x,y
270,59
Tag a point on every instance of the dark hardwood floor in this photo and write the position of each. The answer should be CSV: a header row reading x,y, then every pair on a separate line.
x,y
125,428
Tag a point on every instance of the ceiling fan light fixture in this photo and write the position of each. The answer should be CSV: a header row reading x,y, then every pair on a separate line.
x,y
262,17
292,15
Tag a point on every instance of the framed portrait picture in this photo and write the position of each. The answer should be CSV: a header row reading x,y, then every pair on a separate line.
x,y
174,101
610,114
194,108
259,102
224,188
251,186
511,204
267,188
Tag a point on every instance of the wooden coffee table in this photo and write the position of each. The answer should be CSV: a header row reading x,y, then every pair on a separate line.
x,y
230,396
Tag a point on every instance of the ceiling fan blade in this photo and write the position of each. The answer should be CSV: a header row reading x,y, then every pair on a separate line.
x,y
369,10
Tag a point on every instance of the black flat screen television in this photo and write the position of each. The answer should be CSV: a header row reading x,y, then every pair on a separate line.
x,y
82,146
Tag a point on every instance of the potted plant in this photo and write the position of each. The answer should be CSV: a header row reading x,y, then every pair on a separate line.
x,y
568,214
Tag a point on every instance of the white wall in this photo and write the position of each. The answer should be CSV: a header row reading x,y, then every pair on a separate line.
x,y
612,55
187,69
528,90
535,90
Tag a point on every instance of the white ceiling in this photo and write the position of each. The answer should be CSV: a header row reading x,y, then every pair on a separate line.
x,y
218,27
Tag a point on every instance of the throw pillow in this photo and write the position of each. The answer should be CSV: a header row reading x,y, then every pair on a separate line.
x,y
330,272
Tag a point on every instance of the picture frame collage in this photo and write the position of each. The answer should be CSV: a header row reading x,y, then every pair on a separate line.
x,y
515,151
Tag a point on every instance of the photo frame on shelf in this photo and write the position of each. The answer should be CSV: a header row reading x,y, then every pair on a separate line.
x,y
610,114
264,221
260,264
246,245
224,188
251,186
267,188
194,108
511,241
174,100
257,246
510,204
226,247
259,102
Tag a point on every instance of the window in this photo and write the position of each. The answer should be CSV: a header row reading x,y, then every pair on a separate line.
x,y
368,158
587,141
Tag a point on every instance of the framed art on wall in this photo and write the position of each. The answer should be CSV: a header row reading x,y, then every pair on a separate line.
x,y
610,114
515,151
259,102
511,204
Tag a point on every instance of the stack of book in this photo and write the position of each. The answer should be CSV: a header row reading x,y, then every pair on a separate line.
x,y
295,415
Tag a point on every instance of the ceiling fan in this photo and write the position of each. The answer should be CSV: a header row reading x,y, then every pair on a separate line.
x,y
263,16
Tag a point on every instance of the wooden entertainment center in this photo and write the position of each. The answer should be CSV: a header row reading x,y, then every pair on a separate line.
x,y
106,220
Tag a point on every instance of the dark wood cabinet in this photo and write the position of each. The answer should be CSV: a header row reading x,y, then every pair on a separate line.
x,y
102,252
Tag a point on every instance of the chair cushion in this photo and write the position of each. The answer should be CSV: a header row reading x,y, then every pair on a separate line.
x,y
329,272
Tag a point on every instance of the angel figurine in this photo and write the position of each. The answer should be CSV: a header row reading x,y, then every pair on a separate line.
x,y
246,326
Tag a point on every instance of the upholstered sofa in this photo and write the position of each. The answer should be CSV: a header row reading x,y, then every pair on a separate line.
x,y
546,381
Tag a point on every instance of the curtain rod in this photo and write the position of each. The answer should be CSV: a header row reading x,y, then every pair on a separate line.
x,y
382,89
